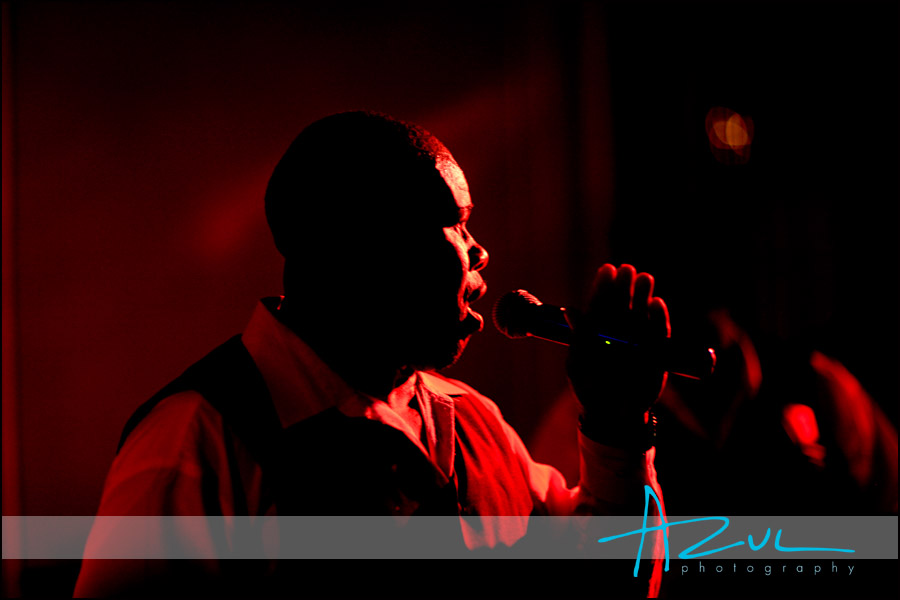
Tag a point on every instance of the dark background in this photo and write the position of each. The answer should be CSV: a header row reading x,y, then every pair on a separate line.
x,y
138,139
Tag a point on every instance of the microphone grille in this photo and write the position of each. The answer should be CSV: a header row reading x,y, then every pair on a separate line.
x,y
510,312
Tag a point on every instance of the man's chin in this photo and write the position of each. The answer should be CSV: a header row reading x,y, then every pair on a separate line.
x,y
441,358
460,348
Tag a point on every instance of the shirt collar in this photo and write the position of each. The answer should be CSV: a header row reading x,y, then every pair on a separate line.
x,y
302,385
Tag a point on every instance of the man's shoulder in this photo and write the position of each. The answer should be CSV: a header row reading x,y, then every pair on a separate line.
x,y
187,406
186,416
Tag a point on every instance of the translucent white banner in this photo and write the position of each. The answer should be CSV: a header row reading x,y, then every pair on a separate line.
x,y
242,537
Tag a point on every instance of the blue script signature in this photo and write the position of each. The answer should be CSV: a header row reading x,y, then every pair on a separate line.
x,y
689,552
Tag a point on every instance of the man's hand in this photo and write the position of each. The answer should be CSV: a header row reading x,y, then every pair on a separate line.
x,y
616,386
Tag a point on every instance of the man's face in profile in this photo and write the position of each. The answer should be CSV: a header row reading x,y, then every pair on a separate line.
x,y
441,273
472,256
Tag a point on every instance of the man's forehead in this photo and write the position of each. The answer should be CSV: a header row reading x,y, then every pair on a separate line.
x,y
456,181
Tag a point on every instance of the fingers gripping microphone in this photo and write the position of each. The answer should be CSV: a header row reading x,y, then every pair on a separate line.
x,y
518,314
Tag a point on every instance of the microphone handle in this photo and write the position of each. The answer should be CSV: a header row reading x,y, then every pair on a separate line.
x,y
548,322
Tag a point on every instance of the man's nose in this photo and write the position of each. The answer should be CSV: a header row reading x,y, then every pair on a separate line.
x,y
478,257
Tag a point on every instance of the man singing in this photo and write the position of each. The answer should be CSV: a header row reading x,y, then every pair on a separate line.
x,y
331,401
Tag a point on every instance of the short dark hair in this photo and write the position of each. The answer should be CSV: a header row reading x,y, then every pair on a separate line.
x,y
340,169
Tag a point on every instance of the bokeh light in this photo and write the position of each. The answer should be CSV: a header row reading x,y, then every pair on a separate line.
x,y
730,135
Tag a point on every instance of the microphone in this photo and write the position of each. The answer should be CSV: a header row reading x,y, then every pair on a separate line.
x,y
519,314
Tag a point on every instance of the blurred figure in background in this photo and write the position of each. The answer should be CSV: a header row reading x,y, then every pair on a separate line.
x,y
777,429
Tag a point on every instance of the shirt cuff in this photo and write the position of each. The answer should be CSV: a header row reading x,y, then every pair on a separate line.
x,y
614,475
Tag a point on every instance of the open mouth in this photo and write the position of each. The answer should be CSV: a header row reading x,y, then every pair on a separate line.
x,y
477,293
473,322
